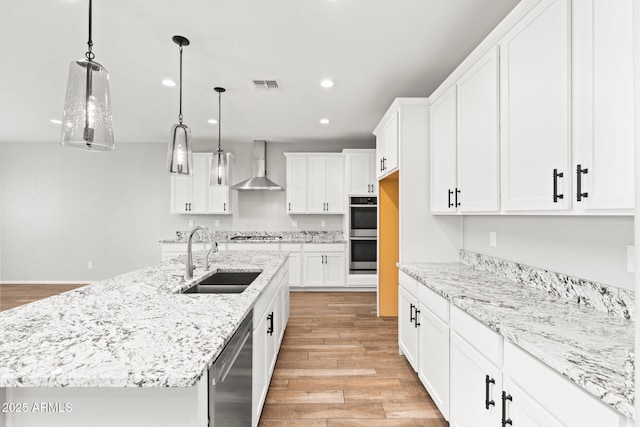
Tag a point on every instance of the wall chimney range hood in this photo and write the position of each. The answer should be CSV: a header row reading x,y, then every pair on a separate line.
x,y
259,182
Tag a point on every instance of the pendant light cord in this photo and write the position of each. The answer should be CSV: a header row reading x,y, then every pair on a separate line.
x,y
219,119
90,55
180,113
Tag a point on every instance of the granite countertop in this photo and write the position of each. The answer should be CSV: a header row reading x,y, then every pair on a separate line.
x,y
285,237
133,330
590,347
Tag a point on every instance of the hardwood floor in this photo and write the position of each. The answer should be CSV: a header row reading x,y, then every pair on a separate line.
x,y
339,366
15,295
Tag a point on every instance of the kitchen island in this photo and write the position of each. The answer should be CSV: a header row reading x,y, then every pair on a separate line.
x,y
130,350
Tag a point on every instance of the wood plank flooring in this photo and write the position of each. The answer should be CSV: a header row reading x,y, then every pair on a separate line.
x,y
339,366
15,295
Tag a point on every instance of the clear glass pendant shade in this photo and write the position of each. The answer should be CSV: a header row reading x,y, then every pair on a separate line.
x,y
219,169
86,121
180,156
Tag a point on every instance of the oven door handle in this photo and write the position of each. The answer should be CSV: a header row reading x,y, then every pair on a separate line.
x,y
229,360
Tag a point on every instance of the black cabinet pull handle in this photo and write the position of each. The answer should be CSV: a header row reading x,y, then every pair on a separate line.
x,y
505,420
557,175
289,206
270,328
456,199
579,172
487,402
411,308
384,163
416,322
186,208
381,165
449,204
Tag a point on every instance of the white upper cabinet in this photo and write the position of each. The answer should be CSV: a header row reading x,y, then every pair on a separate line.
x,y
315,183
603,135
478,137
296,184
387,147
194,195
361,172
535,68
443,153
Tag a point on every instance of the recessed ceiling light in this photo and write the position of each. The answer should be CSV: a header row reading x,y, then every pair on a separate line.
x,y
325,121
212,121
56,121
326,83
168,83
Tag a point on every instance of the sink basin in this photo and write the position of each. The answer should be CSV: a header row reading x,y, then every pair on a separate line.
x,y
224,282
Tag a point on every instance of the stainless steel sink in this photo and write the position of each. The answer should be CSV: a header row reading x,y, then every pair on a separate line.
x,y
224,282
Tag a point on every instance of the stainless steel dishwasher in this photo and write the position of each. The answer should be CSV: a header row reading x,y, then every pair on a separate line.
x,y
230,380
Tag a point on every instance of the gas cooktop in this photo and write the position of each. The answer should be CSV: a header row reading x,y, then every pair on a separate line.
x,y
255,238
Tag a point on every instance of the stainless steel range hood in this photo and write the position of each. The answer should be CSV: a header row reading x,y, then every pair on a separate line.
x,y
259,182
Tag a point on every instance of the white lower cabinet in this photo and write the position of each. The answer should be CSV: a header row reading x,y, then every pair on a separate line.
x,y
523,410
475,387
407,329
295,262
270,317
433,358
324,265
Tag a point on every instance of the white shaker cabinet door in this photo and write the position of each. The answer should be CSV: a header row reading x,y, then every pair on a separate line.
x,y
478,137
433,354
219,199
407,330
390,162
471,403
316,202
443,153
200,182
334,181
359,173
334,269
313,268
181,187
535,67
603,135
523,410
296,184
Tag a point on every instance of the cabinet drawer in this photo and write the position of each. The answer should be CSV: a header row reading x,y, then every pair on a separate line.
x,y
486,341
408,283
437,304
324,247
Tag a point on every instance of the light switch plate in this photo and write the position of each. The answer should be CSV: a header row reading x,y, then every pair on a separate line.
x,y
493,239
323,223
294,224
631,259
90,265
190,223
216,223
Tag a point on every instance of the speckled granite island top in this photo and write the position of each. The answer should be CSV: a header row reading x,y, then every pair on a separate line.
x,y
589,347
134,330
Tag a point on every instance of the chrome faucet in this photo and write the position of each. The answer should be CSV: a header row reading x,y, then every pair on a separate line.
x,y
188,274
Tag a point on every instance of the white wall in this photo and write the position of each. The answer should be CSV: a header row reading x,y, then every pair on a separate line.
x,y
61,208
593,248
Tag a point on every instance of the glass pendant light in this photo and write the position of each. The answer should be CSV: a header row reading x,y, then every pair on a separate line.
x,y
219,160
180,156
86,121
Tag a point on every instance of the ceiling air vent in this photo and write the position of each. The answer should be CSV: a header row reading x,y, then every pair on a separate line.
x,y
266,84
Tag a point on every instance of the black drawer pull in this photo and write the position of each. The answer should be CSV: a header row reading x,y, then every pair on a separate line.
x,y
416,323
270,328
411,308
487,402
456,199
450,193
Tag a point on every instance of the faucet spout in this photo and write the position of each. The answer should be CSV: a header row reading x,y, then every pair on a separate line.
x,y
188,274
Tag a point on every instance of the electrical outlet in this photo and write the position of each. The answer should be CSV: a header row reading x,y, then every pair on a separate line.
x,y
323,223
631,259
295,224
217,223
493,239
190,223
90,265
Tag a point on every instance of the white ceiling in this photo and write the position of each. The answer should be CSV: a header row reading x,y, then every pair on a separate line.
x,y
374,50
